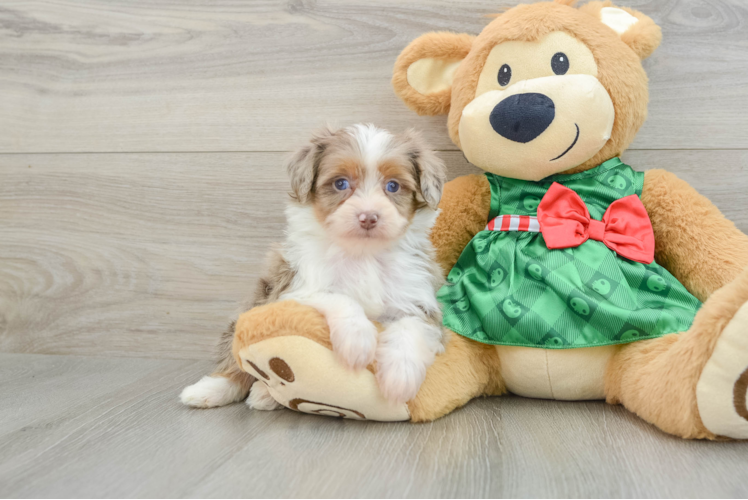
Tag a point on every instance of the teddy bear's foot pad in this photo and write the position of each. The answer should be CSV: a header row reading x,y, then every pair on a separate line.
x,y
305,376
722,387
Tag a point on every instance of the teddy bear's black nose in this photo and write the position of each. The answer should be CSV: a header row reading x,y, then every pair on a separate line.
x,y
523,117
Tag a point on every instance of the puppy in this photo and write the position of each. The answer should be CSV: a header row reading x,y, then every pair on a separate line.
x,y
358,250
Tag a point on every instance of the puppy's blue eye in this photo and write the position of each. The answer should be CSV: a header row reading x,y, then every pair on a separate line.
x,y
341,184
393,186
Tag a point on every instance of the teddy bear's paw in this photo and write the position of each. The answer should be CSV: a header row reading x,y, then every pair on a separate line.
x,y
722,387
210,392
305,376
260,398
354,340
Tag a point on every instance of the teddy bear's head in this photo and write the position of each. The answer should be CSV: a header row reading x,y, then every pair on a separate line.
x,y
544,88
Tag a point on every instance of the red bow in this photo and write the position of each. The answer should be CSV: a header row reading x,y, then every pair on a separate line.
x,y
626,229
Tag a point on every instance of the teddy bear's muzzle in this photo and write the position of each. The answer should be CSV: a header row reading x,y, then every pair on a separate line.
x,y
537,127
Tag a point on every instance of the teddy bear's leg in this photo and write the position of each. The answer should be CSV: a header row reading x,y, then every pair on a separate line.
x,y
467,369
286,346
691,384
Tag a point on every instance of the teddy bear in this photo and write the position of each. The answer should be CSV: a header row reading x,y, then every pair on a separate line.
x,y
569,274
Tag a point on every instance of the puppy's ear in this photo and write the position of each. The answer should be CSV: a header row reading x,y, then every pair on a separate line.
x,y
429,169
303,165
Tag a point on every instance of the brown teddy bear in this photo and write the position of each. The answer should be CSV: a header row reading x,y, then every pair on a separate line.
x,y
571,275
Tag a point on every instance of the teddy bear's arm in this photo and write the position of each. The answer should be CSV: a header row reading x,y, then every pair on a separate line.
x,y
464,206
693,240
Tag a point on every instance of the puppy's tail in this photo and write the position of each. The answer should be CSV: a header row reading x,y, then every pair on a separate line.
x,y
228,383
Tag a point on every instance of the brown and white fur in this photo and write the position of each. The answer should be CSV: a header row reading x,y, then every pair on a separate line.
x,y
357,249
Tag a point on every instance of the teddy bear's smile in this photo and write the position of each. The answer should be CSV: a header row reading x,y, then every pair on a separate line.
x,y
576,138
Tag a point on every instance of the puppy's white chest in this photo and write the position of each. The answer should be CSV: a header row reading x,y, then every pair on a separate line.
x,y
363,280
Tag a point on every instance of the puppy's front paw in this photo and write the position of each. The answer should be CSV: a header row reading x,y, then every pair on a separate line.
x,y
400,376
354,341
260,398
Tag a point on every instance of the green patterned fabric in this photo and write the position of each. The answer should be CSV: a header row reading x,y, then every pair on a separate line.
x,y
508,288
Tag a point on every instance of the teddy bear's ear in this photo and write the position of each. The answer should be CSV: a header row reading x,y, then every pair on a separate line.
x,y
423,71
636,30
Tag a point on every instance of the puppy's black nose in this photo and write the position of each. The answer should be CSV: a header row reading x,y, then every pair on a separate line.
x,y
523,117
368,219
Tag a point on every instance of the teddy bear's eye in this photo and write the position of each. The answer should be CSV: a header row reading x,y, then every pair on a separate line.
x,y
505,74
560,63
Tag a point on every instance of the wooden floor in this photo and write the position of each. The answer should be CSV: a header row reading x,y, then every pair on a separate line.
x,y
140,185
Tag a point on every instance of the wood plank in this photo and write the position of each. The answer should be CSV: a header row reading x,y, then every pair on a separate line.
x,y
108,427
506,447
132,254
257,76
152,254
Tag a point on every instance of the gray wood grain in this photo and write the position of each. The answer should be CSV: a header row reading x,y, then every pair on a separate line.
x,y
88,427
151,254
162,75
96,427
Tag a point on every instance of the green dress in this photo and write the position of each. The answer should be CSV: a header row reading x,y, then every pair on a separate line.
x,y
508,288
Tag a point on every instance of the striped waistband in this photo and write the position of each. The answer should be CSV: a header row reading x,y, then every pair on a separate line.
x,y
527,223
